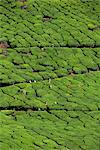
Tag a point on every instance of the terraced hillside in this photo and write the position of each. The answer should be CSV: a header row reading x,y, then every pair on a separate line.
x,y
50,75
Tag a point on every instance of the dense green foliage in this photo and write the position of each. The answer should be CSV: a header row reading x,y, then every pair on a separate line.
x,y
50,23
72,92
49,75
23,65
59,130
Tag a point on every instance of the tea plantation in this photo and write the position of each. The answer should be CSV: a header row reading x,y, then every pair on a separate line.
x,y
49,74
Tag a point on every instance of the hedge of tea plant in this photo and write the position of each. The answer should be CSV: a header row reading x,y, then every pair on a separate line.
x,y
50,23
35,64
49,75
71,92
57,130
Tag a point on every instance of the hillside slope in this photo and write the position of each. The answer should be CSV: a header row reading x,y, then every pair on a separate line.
x,y
49,75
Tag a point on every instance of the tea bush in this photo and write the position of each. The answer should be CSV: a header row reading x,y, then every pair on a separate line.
x,y
62,22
